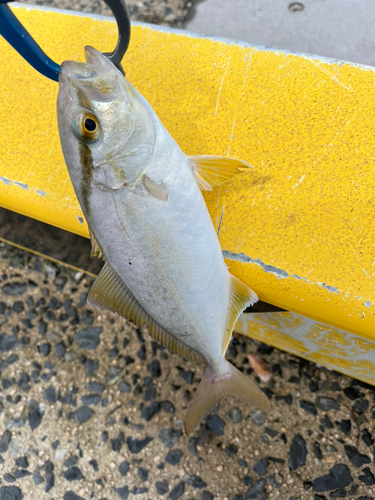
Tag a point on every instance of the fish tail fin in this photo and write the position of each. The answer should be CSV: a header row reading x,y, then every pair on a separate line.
x,y
214,387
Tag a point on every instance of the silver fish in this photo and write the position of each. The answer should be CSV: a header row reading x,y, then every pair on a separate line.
x,y
141,196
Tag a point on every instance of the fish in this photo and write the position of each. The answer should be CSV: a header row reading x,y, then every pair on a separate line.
x,y
141,197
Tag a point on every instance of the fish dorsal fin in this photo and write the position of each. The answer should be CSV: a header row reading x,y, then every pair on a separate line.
x,y
241,298
213,171
95,248
110,292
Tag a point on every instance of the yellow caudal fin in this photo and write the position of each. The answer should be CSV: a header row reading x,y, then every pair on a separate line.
x,y
213,388
213,171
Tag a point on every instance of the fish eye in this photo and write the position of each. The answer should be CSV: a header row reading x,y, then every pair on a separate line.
x,y
87,127
90,125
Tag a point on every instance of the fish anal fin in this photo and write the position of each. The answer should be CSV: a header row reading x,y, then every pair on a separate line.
x,y
110,292
213,388
95,248
241,297
211,171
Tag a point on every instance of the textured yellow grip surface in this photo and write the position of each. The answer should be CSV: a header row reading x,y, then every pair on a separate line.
x,y
299,228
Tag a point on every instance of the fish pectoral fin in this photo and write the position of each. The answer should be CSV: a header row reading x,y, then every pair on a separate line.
x,y
110,292
95,248
211,171
241,297
213,388
159,191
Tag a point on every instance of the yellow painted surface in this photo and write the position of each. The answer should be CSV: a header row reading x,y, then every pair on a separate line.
x,y
322,344
304,123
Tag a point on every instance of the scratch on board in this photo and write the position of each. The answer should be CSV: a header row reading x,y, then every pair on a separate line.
x,y
221,84
218,198
334,78
221,219
243,89
41,193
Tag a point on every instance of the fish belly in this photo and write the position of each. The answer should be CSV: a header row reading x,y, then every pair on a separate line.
x,y
168,255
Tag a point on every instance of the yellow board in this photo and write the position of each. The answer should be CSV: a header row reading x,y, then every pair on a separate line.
x,y
299,228
309,339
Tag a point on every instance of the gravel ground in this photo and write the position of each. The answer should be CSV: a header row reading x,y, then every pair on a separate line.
x,y
92,407
164,12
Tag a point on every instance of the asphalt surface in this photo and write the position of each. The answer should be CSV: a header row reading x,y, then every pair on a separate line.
x,y
91,407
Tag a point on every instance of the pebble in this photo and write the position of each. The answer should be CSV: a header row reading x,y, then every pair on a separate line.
x,y
10,493
356,458
216,424
162,487
367,437
7,342
231,449
22,462
83,414
344,425
9,478
256,490
4,441
360,406
113,375
123,468
117,443
60,454
15,422
173,457
177,491
154,368
352,393
45,349
95,387
261,467
297,453
368,477
169,437
37,477
207,495
187,376
70,495
88,338
143,473
123,492
50,394
73,474
338,477
150,411
195,481
91,399
235,415
50,482
15,288
70,462
327,404
137,445
258,416
308,407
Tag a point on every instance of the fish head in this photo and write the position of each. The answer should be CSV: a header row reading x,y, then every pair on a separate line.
x,y
106,133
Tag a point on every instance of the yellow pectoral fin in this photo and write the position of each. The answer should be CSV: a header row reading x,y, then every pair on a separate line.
x,y
241,298
213,171
110,292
